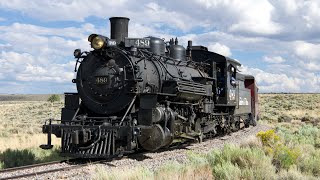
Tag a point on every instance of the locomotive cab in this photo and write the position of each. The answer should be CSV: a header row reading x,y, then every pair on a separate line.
x,y
224,71
235,93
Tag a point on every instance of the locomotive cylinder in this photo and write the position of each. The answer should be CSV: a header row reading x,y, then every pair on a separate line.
x,y
119,28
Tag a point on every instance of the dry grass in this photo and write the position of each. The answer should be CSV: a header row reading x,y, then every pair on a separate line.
x,y
100,173
301,112
170,171
290,108
174,170
21,123
251,142
25,141
21,131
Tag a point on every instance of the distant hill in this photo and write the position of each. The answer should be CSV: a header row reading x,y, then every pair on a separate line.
x,y
26,97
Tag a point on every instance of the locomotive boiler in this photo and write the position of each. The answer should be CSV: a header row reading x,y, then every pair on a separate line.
x,y
148,93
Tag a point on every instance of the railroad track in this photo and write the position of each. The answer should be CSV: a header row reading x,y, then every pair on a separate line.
x,y
78,163
35,173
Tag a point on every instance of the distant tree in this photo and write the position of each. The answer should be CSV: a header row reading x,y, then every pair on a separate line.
x,y
54,98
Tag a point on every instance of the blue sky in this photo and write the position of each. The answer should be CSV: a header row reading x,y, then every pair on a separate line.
x,y
277,41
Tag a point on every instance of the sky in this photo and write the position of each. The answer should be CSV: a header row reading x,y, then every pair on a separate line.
x,y
277,41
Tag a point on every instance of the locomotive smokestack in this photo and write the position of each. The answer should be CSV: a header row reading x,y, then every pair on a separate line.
x,y
119,28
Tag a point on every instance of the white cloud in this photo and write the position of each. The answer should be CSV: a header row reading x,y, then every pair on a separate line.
x,y
252,18
46,44
157,13
63,10
274,82
256,20
57,73
25,67
299,18
81,9
283,33
275,59
249,17
312,17
307,50
220,49
311,66
29,29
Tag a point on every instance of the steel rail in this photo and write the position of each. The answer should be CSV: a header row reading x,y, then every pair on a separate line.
x,y
29,166
45,171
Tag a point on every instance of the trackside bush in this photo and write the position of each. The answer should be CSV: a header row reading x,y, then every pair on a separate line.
x,y
54,98
241,163
283,156
14,158
311,165
268,138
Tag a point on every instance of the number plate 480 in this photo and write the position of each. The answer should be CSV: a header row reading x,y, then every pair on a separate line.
x,y
101,80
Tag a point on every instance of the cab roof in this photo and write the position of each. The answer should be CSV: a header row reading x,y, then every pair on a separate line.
x,y
201,53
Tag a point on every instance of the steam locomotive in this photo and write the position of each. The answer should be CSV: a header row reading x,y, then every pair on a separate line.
x,y
148,93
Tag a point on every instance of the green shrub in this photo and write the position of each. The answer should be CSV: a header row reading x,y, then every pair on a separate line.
x,y
197,167
47,155
227,170
14,158
136,173
306,134
283,156
240,163
171,167
293,174
54,98
310,164
268,138
2,165
284,118
197,159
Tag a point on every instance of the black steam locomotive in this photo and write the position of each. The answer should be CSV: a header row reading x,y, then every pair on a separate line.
x,y
145,93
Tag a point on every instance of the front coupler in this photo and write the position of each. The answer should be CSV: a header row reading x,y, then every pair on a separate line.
x,y
47,128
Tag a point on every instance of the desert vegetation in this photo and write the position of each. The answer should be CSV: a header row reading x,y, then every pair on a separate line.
x,y
291,150
21,133
54,98
266,156
295,109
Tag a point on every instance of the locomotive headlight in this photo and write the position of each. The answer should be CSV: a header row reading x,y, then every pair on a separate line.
x,y
97,42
